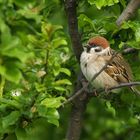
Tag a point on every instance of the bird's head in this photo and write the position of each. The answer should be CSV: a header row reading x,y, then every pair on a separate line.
x,y
97,45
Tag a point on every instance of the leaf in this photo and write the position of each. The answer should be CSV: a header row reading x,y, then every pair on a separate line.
x,y
59,88
3,107
57,42
10,103
48,29
128,98
5,32
102,3
51,114
11,119
121,45
62,82
110,108
12,74
66,71
2,70
15,50
83,20
40,87
52,102
30,14
53,117
137,34
133,121
123,2
21,134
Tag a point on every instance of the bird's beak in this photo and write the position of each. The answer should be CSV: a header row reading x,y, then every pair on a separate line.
x,y
86,46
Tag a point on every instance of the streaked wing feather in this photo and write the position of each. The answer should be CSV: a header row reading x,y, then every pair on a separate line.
x,y
119,69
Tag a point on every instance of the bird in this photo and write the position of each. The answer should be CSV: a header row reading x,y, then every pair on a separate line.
x,y
96,54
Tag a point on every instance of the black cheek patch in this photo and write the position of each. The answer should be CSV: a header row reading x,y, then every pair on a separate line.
x,y
98,49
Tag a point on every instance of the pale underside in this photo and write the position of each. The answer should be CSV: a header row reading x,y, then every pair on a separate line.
x,y
118,71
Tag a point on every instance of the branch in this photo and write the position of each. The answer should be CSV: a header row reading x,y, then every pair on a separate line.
x,y
119,86
128,11
129,51
97,92
79,104
77,112
70,7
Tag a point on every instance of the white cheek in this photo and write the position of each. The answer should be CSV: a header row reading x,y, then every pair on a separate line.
x,y
92,50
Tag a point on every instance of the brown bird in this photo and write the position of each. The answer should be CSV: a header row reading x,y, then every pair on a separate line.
x,y
96,54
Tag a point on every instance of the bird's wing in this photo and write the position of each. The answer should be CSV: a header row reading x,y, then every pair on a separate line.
x,y
118,69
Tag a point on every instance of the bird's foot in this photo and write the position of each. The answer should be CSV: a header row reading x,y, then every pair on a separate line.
x,y
106,89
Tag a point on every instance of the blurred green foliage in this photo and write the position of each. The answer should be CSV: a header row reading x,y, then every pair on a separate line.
x,y
38,70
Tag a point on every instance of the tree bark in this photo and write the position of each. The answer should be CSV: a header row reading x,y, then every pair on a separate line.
x,y
77,112
79,103
128,11
70,7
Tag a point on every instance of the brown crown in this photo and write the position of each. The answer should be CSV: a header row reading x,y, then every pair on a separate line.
x,y
99,41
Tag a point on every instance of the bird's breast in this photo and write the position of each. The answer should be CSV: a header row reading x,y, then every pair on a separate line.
x,y
92,64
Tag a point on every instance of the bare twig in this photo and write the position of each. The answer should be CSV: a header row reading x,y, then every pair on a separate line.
x,y
97,92
129,51
130,84
128,11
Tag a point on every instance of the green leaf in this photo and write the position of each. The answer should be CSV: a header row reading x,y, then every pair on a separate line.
x,y
102,3
59,88
51,114
128,98
83,20
52,102
21,134
30,14
5,32
62,82
121,45
40,87
53,117
2,70
12,74
123,2
11,119
110,108
137,34
10,103
15,50
57,42
66,71
48,29
133,121
22,3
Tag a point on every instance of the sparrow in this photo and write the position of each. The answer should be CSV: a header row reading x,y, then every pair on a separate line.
x,y
96,54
